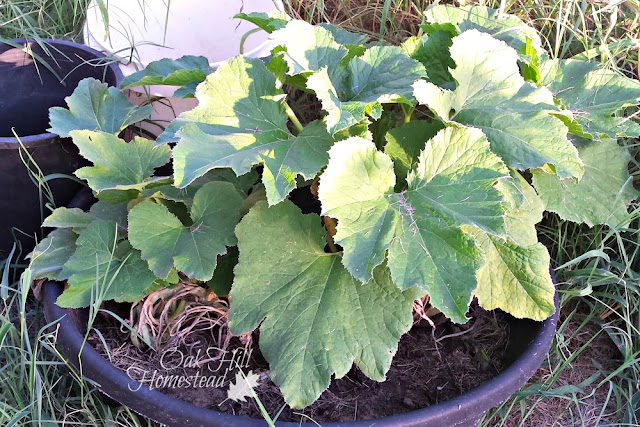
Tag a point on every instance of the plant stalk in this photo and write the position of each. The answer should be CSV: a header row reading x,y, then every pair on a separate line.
x,y
408,111
294,119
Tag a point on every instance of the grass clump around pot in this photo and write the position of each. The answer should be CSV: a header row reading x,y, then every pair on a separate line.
x,y
432,162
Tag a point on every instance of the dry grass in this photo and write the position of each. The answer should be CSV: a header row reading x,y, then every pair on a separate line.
x,y
584,355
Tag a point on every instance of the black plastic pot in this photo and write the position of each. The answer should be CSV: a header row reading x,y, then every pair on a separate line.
x,y
529,343
27,90
533,339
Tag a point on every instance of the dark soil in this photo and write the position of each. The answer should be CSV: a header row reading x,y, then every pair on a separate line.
x,y
423,372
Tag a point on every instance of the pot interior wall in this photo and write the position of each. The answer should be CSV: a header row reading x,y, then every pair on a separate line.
x,y
29,87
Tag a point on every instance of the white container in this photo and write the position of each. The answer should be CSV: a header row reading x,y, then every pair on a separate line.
x,y
143,31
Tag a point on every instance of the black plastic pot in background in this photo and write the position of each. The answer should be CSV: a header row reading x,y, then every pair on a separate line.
x,y
28,89
529,344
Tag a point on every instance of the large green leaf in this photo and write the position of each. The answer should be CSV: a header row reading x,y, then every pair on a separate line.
x,y
78,219
239,99
102,268
432,51
341,115
51,253
315,319
241,122
453,184
68,218
118,165
445,22
283,159
193,249
383,74
309,48
350,83
603,193
186,71
594,95
524,209
95,106
492,96
243,185
514,278
515,275
112,212
509,28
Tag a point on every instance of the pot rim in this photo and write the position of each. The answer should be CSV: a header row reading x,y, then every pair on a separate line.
x,y
116,383
32,141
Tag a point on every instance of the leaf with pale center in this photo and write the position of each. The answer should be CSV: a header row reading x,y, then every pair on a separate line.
x,y
100,269
186,72
283,159
239,99
452,184
594,95
239,123
193,249
315,319
97,107
515,278
310,48
383,74
514,114
515,275
603,193
118,165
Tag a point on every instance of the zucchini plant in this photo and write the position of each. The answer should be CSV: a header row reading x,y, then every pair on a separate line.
x,y
433,162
